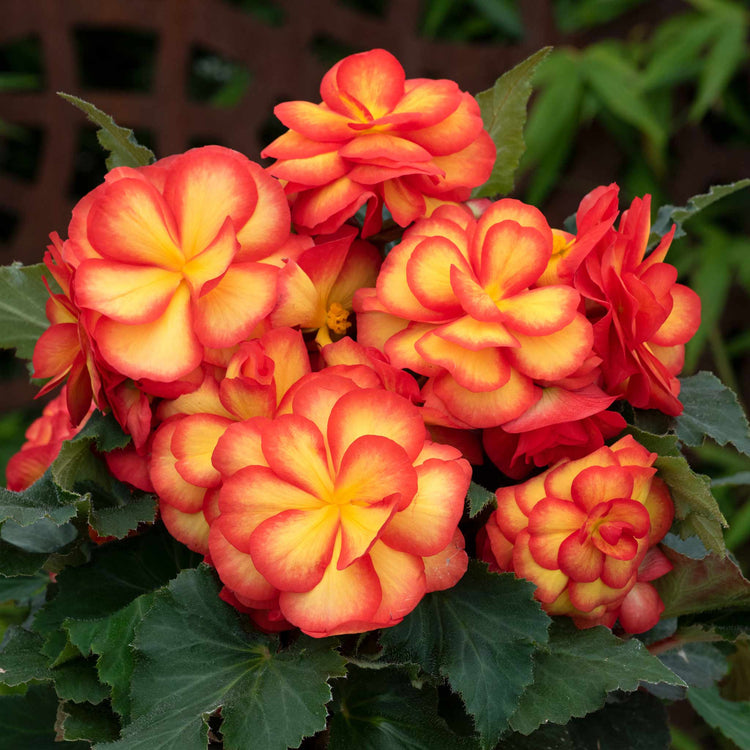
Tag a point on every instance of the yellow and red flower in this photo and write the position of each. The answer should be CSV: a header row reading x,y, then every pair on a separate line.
x,y
171,260
379,138
315,291
181,470
456,301
44,438
642,318
338,514
585,532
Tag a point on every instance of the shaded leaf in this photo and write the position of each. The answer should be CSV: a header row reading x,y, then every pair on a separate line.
x,y
43,499
41,536
111,638
84,721
714,582
479,498
124,150
731,718
678,215
23,588
383,711
698,664
77,681
27,721
480,635
16,562
504,115
577,668
21,658
22,300
694,504
105,431
269,698
712,409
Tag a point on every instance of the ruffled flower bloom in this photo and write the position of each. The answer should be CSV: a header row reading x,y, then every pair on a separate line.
x,y
175,258
456,301
585,532
44,438
379,138
642,318
315,291
338,514
180,468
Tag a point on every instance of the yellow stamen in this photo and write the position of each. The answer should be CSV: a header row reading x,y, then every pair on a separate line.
x,y
337,318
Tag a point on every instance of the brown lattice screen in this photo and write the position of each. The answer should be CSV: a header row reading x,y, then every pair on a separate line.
x,y
284,61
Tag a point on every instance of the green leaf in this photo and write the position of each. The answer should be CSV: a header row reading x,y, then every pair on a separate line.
x,y
23,588
77,681
678,215
84,721
731,718
553,122
42,500
191,645
114,508
23,297
664,445
616,84
124,150
576,670
116,575
16,562
713,582
694,505
698,664
21,658
480,635
105,431
41,536
27,721
479,498
112,637
504,115
725,56
382,710
710,408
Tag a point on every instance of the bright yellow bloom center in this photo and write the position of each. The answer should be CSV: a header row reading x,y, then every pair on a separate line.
x,y
337,318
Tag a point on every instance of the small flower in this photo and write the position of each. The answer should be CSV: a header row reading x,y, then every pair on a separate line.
x,y
377,138
582,530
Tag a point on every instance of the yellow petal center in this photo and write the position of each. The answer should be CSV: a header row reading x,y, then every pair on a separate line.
x,y
337,318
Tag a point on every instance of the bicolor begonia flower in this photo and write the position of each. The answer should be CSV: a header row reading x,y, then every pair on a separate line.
x,y
315,291
642,318
254,382
172,260
338,514
64,353
585,532
379,138
456,301
44,438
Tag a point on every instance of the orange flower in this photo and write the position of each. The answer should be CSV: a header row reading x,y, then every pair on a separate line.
x,y
585,532
316,290
44,438
337,515
379,138
181,470
170,256
641,317
456,301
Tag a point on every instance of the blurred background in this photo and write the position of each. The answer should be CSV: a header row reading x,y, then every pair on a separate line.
x,y
652,94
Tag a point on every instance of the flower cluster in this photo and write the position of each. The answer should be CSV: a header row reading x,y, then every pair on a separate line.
x,y
306,405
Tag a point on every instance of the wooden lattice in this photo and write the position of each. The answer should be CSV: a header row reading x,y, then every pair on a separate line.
x,y
283,65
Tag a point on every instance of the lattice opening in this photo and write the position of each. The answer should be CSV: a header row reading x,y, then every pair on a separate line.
x,y
329,50
8,223
20,152
216,80
21,65
267,11
458,21
377,8
130,56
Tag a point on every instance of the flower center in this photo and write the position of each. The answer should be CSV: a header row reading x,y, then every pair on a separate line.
x,y
337,318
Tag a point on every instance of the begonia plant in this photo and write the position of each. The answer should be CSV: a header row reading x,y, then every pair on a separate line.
x,y
351,449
